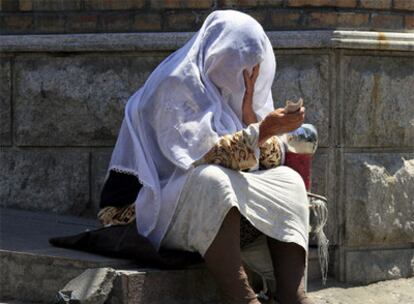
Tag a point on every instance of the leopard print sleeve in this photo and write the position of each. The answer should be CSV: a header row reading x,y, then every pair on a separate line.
x,y
271,153
237,151
117,215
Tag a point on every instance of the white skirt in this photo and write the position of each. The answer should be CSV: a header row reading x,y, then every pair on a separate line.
x,y
274,201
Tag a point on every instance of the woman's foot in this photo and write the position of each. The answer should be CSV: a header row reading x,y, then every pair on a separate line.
x,y
289,268
223,260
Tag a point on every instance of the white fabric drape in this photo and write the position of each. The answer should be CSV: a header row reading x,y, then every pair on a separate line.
x,y
191,99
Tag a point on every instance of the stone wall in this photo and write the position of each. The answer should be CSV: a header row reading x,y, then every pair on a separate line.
x,y
62,100
89,16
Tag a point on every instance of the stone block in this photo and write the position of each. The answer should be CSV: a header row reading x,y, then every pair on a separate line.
x,y
305,76
283,19
34,278
323,182
320,167
338,20
50,23
147,22
345,3
404,5
364,267
334,3
322,19
377,94
249,3
377,4
52,5
75,100
353,20
174,4
261,16
100,163
116,22
192,285
409,22
379,198
114,5
162,4
386,21
8,5
32,271
181,21
56,181
15,24
25,5
5,102
82,23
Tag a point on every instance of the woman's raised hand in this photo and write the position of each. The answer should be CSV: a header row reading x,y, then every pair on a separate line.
x,y
279,122
250,80
247,108
276,122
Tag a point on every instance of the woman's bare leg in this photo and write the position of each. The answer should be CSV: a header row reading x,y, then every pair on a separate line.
x,y
223,259
289,269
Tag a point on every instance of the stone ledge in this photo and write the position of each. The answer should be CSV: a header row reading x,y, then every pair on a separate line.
x,y
169,41
193,285
368,266
33,270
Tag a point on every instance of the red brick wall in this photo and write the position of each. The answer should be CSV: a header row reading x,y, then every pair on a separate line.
x,y
89,16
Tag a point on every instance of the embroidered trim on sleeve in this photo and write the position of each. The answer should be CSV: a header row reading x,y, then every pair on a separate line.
x,y
236,151
270,153
109,216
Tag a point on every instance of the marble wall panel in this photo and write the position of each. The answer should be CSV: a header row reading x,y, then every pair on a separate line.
x,y
377,99
379,201
75,100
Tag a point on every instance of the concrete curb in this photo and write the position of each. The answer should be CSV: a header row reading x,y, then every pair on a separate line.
x,y
169,41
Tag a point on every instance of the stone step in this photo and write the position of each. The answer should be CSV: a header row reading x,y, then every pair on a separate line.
x,y
194,285
34,271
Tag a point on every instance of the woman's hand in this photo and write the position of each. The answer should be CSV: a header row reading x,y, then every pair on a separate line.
x,y
249,116
279,122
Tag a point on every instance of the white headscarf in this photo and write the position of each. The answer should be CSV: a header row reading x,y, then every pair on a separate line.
x,y
191,99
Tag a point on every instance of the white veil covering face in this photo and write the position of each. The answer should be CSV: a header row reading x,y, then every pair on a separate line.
x,y
191,99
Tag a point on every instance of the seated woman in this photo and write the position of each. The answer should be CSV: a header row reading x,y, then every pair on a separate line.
x,y
201,137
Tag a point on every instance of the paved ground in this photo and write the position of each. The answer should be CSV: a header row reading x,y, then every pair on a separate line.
x,y
387,292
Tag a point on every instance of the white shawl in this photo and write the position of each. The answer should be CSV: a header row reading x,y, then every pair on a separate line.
x,y
191,99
